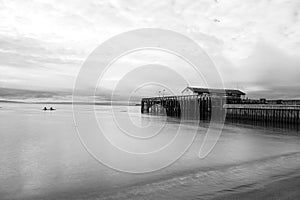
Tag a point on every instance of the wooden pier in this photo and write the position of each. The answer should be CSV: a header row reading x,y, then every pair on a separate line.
x,y
283,114
197,107
189,107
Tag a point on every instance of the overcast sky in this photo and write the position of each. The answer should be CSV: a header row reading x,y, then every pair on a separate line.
x,y
255,43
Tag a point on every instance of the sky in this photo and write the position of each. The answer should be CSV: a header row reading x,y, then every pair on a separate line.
x,y
254,44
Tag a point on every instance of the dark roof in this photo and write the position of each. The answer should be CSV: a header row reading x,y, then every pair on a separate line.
x,y
218,91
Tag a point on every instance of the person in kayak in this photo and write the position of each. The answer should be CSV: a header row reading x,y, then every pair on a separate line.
x,y
44,108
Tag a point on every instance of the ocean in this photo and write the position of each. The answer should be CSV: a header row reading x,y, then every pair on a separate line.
x,y
46,155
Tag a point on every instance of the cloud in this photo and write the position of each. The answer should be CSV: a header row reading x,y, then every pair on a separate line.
x,y
44,43
271,72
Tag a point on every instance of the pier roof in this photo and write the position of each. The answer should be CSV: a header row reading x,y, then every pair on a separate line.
x,y
200,90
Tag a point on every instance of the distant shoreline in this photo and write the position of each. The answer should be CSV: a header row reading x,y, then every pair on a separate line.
x,y
70,103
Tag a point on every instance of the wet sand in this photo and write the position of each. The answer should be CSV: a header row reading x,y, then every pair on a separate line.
x,y
283,189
